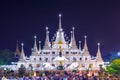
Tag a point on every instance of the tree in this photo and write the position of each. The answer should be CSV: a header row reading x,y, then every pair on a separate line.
x,y
114,67
22,70
101,71
6,56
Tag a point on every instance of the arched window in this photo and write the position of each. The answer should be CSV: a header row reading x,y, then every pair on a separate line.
x,y
30,65
83,65
40,59
68,58
53,52
53,58
38,65
80,58
67,52
46,59
53,64
34,58
74,59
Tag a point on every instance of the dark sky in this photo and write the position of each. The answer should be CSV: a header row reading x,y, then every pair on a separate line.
x,y
98,19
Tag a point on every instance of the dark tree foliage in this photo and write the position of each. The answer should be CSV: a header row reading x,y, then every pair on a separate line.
x,y
22,70
6,56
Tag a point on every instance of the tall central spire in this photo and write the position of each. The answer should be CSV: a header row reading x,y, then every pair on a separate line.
x,y
60,37
60,24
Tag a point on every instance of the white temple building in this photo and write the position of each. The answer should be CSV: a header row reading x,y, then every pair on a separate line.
x,y
59,52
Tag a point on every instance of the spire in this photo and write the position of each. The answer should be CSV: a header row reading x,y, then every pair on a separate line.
x,y
35,45
80,45
60,37
71,39
86,52
60,24
99,57
39,46
47,43
73,45
22,56
85,44
17,51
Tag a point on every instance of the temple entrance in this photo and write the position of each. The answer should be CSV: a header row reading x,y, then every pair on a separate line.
x,y
61,62
60,67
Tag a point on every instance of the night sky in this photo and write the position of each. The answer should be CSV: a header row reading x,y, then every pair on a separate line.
x,y
99,20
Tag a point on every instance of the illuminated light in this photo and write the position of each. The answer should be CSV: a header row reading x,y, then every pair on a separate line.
x,y
60,15
39,41
89,73
118,53
22,44
46,28
35,74
35,37
60,42
85,36
58,58
73,28
98,44
79,41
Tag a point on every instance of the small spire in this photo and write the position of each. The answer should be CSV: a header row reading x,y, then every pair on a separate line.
x,y
80,45
17,52
47,43
39,46
73,40
99,57
35,45
22,56
86,52
60,24
85,44
22,44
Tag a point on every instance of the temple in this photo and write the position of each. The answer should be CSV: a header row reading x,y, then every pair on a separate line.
x,y
59,52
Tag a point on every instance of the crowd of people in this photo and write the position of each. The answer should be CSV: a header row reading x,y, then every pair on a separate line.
x,y
56,75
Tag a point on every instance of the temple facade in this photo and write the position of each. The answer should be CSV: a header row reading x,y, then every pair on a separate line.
x,y
59,52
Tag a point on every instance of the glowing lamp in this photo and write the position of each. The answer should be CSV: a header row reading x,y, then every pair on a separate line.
x,y
118,53
35,74
59,15
60,43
